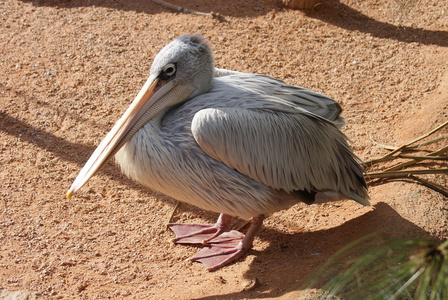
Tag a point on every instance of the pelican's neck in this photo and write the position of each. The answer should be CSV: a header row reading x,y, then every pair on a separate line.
x,y
140,150
156,122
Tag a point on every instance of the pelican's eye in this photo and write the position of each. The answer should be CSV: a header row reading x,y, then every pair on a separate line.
x,y
168,71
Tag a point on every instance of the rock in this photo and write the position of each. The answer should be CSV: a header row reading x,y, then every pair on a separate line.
x,y
19,295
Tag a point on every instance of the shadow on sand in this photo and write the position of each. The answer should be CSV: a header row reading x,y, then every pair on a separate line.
x,y
288,252
330,11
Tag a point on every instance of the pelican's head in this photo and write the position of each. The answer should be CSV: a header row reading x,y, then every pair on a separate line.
x,y
181,70
188,60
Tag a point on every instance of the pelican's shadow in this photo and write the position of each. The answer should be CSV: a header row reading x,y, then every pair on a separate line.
x,y
287,253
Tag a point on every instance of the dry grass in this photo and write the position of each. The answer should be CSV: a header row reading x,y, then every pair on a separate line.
x,y
424,160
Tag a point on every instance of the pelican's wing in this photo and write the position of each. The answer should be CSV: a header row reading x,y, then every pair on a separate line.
x,y
308,100
284,150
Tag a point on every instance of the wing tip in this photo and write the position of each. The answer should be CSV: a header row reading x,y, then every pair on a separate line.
x,y
361,199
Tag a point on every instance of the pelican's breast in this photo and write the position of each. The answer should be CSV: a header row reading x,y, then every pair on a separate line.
x,y
166,158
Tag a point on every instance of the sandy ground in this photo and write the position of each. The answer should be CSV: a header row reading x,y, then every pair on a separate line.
x,y
70,68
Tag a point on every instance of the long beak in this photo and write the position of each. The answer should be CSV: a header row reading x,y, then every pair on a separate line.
x,y
151,100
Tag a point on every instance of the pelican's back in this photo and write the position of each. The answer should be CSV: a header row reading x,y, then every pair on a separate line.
x,y
304,98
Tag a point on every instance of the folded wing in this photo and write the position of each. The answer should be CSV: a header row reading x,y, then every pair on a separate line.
x,y
287,149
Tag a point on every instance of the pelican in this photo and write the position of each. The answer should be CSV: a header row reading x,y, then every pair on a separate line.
x,y
242,145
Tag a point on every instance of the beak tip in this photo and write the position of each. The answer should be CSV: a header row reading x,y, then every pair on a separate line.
x,y
69,193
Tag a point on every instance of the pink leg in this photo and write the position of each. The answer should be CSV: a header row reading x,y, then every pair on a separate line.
x,y
222,245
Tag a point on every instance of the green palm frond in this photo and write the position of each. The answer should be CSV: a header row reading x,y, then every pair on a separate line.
x,y
376,267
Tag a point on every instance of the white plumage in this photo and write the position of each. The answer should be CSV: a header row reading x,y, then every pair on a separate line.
x,y
239,144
